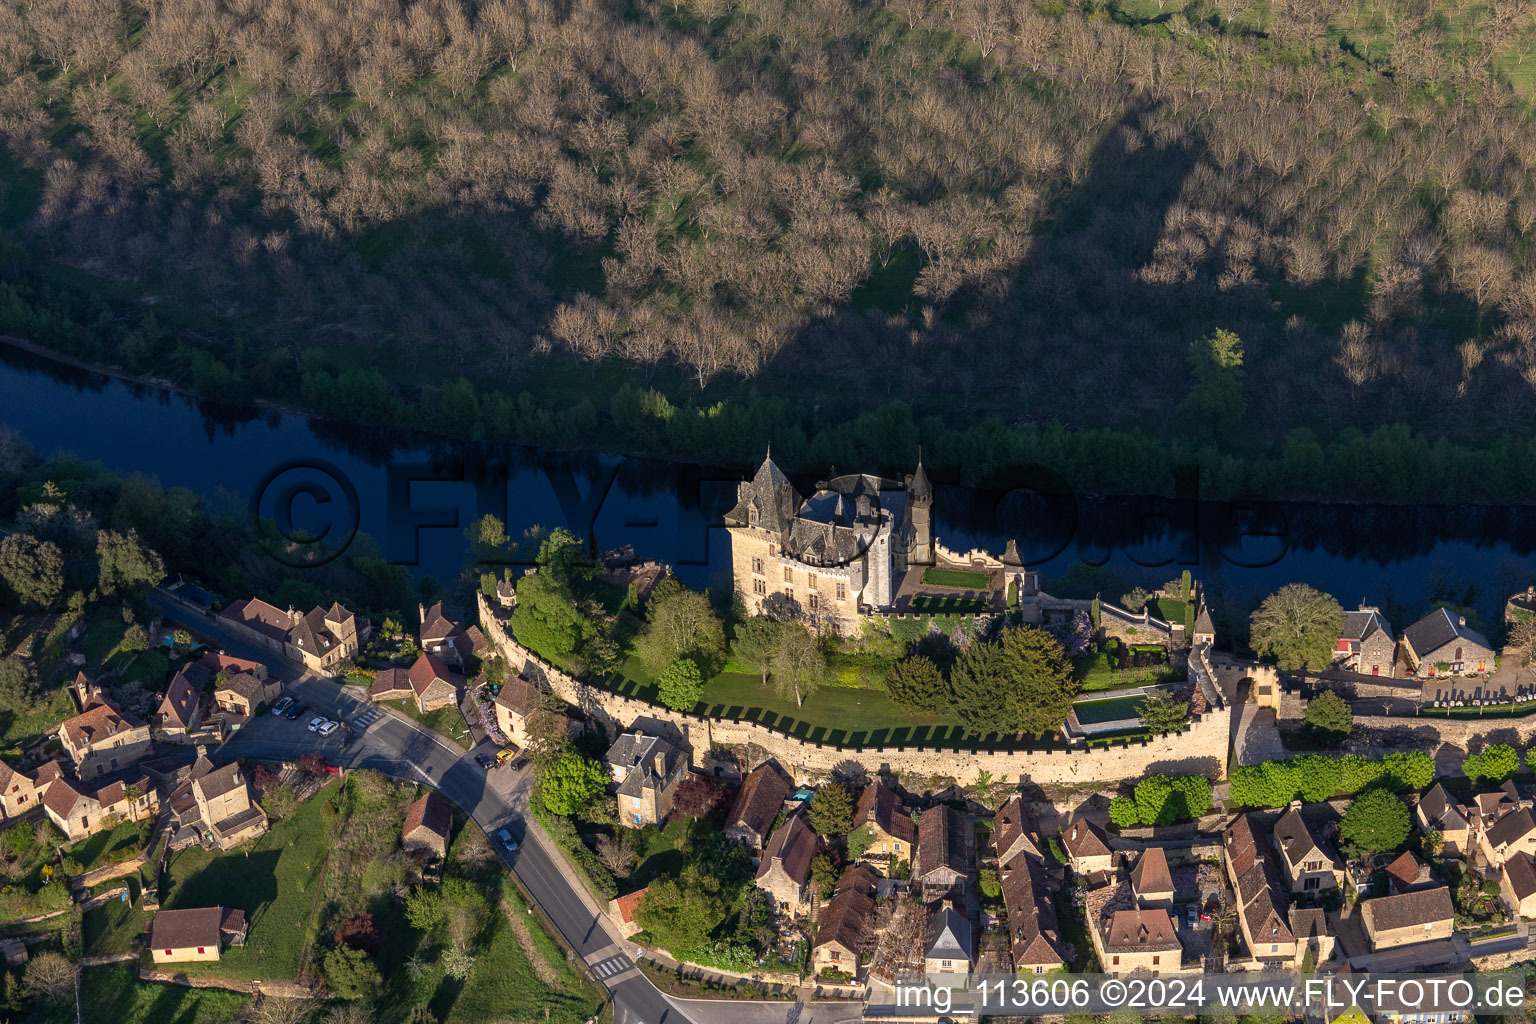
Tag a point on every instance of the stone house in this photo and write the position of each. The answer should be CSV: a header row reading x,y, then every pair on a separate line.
x,y
944,853
222,798
217,663
1517,885
1151,880
1016,831
845,923
181,709
1309,865
515,701
1366,643
1513,833
79,813
758,803
1408,918
433,684
320,639
428,823
102,737
1407,873
1034,934
1087,847
835,556
1441,643
881,811
785,867
1438,811
444,635
1276,932
648,770
242,694
622,911
949,947
19,791
257,620
200,933
1140,940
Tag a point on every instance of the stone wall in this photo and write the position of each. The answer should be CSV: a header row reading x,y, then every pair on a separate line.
x,y
1200,750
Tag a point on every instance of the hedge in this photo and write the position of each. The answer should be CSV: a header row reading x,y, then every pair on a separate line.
x,y
1314,778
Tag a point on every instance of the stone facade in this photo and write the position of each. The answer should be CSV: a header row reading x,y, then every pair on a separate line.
x,y
1199,750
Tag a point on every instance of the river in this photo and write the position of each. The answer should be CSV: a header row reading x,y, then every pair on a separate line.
x,y
416,494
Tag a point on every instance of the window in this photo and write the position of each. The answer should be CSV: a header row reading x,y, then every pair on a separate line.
x,y
759,587
1274,948
773,550
811,581
200,951
757,565
1039,968
789,593
1116,961
815,601
169,953
789,575
883,848
898,846
834,955
1156,960
946,964
752,516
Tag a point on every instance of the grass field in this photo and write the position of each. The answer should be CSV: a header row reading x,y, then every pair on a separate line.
x,y
113,993
274,882
960,579
446,721
658,854
114,927
107,847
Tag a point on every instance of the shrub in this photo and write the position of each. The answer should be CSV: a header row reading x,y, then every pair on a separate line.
x,y
1122,811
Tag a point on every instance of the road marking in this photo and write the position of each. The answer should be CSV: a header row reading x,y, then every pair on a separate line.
x,y
367,718
612,966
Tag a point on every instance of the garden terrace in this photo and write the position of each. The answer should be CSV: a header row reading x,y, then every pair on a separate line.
x,y
957,579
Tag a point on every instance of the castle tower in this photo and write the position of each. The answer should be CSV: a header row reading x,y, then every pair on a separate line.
x,y
920,502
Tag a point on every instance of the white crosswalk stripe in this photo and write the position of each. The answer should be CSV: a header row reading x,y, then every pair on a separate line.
x,y
613,965
367,718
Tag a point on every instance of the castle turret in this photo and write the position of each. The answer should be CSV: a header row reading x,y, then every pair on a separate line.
x,y
920,505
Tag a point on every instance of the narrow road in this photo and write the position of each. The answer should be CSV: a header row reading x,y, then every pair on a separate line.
x,y
401,748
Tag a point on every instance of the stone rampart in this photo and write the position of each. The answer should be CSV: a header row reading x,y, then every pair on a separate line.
x,y
1199,750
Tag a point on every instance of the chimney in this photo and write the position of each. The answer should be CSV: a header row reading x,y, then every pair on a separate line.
x,y
1295,805
1463,619
1074,831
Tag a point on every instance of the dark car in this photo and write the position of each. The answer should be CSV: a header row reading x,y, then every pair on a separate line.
x,y
484,762
519,764
296,712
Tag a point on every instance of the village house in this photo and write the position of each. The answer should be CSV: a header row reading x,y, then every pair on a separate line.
x,y
444,634
243,694
1366,643
949,947
648,770
215,807
1408,874
181,709
1131,939
1034,934
79,812
1087,847
1016,831
1309,865
890,826
102,737
944,844
846,920
428,682
1275,932
1151,880
758,803
320,640
19,791
218,663
199,933
1438,811
1441,643
428,822
785,867
834,557
1517,885
1513,833
622,911
1424,915
515,701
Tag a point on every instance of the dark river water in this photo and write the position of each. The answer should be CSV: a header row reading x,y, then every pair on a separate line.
x,y
415,495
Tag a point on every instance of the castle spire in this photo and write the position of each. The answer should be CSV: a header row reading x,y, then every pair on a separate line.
x,y
920,487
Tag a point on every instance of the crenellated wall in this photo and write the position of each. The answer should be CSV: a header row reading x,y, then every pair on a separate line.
x,y
1199,750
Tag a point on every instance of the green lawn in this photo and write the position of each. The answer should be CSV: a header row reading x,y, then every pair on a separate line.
x,y
1170,610
108,847
273,880
113,993
114,927
445,721
958,578
1113,709
18,731
840,715
658,853
949,604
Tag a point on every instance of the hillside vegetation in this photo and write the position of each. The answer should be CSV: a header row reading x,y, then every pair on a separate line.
x,y
1027,208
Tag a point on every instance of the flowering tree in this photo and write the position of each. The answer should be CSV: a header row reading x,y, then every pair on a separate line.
x,y
1075,636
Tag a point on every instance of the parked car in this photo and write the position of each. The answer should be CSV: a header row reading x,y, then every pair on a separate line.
x,y
484,762
315,723
282,705
505,754
296,712
519,764
329,727
505,838
1193,914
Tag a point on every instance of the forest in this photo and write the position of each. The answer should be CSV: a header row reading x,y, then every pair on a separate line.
x,y
1203,226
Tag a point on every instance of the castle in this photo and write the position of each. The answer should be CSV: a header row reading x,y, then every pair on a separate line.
x,y
830,558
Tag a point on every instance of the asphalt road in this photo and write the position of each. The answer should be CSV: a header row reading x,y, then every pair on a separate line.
x,y
494,799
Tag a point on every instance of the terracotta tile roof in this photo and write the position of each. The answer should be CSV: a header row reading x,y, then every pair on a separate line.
x,y
1148,930
245,684
217,663
98,722
941,841
186,929
791,847
431,812
427,671
517,695
116,792
1409,909
1082,838
256,614
858,876
845,920
1151,876
880,804
627,904
1407,870
1241,845
1033,932
439,622
762,794
1016,829
1309,923
62,797
180,702
390,682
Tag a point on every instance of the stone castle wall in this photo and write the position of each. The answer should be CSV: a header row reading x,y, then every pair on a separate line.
x,y
1200,750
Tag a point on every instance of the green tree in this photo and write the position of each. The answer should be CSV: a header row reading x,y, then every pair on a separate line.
x,y
33,569
1329,718
1298,626
916,684
1215,401
1377,822
1020,683
546,620
859,841
680,685
563,556
570,782
753,644
1122,811
1164,714
488,544
798,665
351,973
680,623
1166,800
823,875
123,562
18,686
1494,763
831,810
682,911
988,883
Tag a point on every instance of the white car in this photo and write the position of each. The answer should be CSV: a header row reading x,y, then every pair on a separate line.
x,y
329,727
315,724
282,705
